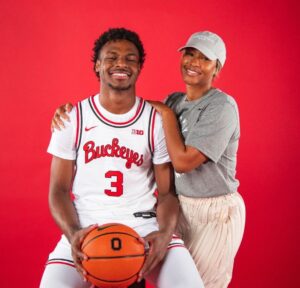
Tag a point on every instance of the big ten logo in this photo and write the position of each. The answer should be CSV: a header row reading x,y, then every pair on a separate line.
x,y
137,132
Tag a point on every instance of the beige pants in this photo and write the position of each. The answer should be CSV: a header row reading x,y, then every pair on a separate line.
x,y
212,229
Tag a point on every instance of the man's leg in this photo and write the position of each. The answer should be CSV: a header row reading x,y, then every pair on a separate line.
x,y
177,270
60,271
62,276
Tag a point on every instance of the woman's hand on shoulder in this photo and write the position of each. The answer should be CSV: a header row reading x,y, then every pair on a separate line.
x,y
60,114
160,107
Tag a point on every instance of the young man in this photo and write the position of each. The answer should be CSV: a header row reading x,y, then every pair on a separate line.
x,y
115,143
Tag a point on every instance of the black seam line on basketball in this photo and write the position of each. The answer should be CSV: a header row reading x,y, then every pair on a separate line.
x,y
115,257
60,259
112,281
123,233
111,125
101,228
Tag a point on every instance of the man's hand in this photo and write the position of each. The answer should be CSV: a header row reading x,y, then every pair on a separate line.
x,y
60,113
158,243
76,241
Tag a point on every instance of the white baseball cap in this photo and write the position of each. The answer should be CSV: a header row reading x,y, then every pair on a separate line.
x,y
208,43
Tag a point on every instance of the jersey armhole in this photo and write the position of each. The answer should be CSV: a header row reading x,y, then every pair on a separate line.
x,y
151,130
78,126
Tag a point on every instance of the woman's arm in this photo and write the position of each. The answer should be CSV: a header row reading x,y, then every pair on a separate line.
x,y
184,158
59,114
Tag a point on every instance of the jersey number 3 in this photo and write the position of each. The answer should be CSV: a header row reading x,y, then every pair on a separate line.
x,y
116,183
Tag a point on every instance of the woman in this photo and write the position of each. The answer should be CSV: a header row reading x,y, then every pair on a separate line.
x,y
202,132
213,218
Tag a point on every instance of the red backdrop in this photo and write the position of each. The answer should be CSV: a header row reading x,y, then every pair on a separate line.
x,y
45,61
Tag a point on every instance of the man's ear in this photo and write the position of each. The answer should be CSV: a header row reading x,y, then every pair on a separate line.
x,y
97,66
139,68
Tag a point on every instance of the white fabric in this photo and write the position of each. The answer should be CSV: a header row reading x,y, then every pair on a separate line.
x,y
212,229
131,184
62,143
177,270
128,188
62,276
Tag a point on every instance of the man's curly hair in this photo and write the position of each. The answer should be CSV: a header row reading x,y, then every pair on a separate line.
x,y
115,34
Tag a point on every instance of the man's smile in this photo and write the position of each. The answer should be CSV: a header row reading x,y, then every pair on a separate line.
x,y
120,74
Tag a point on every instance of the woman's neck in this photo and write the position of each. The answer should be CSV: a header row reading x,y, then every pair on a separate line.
x,y
196,92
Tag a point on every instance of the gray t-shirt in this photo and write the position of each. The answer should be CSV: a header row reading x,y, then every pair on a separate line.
x,y
210,124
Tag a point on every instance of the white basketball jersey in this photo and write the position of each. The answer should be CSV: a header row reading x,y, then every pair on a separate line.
x,y
114,160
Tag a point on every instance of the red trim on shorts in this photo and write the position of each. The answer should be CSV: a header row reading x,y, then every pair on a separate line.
x,y
175,246
60,262
175,237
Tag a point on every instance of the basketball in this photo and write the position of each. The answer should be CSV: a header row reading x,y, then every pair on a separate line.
x,y
115,255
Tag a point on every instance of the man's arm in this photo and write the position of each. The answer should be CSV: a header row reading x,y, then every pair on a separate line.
x,y
60,203
168,205
167,215
62,208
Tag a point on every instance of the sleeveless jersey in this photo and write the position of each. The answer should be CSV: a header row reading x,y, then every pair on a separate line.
x,y
114,161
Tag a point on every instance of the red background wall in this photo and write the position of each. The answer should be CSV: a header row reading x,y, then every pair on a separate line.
x,y
45,61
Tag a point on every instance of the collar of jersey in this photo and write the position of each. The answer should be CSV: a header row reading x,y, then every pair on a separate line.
x,y
112,122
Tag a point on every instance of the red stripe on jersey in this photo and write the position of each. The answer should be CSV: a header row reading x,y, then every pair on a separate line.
x,y
152,130
138,110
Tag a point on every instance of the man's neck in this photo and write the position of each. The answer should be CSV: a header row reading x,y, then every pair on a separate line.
x,y
117,102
